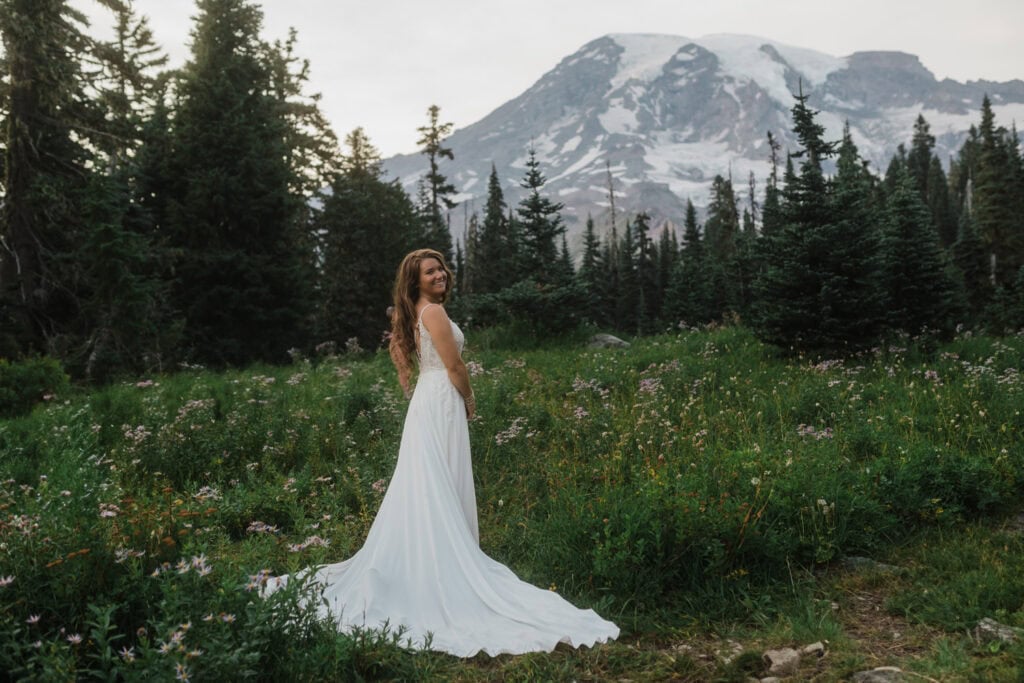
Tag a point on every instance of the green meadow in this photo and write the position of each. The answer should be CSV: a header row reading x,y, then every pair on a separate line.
x,y
698,488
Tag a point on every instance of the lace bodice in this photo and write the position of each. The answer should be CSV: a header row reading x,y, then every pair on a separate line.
x,y
429,358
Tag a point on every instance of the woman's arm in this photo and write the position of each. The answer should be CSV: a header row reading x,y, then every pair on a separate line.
x,y
435,319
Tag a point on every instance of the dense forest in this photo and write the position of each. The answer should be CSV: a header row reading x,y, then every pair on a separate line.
x,y
209,214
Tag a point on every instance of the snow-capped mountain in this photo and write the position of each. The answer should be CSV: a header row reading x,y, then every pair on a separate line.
x,y
666,114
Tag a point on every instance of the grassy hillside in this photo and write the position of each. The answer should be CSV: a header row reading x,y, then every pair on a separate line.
x,y
692,488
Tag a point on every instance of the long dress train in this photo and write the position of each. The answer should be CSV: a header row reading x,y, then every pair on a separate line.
x,y
421,566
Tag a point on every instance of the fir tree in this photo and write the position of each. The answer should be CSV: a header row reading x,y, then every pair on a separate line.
x,y
432,138
46,161
847,257
367,225
690,298
799,292
628,297
496,255
920,291
591,276
241,277
971,260
541,225
994,201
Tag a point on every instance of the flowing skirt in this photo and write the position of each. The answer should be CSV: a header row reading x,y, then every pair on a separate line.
x,y
421,566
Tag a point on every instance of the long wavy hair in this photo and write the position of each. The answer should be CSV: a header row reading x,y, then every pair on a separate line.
x,y
403,319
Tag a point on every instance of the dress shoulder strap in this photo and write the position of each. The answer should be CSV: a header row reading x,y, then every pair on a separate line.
x,y
420,321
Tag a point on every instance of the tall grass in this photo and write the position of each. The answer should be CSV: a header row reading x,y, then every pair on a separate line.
x,y
673,482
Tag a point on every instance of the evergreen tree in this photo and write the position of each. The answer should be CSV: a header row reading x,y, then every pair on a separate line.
x,y
46,162
668,255
690,298
496,256
591,276
564,273
460,267
721,230
473,274
799,291
125,291
939,204
847,257
648,288
971,260
367,225
918,160
541,225
241,277
771,215
432,137
921,292
628,297
994,201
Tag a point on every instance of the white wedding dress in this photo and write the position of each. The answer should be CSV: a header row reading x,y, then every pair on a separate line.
x,y
421,566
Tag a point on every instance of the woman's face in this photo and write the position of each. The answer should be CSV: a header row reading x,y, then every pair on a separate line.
x,y
433,279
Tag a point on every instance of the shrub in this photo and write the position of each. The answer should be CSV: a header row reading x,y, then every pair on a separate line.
x,y
25,383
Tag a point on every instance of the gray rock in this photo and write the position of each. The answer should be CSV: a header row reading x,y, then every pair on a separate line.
x,y
989,630
607,341
770,679
784,662
857,563
881,674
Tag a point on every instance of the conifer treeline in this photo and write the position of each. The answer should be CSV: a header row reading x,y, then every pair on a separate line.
x,y
827,263
204,214
208,215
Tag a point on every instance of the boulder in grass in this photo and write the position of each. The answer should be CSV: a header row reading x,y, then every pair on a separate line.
x,y
607,341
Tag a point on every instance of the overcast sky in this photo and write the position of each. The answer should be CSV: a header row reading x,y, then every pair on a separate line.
x,y
380,63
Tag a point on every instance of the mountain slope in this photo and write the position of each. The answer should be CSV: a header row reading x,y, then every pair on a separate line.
x,y
664,114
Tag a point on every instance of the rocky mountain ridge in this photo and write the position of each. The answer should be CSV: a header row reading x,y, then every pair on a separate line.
x,y
664,114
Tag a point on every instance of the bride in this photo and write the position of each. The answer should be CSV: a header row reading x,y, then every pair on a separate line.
x,y
421,566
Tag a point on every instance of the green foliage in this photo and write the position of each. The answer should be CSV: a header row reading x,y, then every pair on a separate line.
x,y
25,383
366,226
682,481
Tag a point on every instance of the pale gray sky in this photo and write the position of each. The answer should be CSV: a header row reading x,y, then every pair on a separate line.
x,y
380,63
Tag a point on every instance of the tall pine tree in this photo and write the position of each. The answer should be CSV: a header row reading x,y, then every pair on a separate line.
x,y
240,277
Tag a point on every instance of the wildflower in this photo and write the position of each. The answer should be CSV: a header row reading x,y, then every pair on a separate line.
x,y
33,619
207,493
182,567
650,385
109,510
380,485
258,527
74,639
208,617
192,654
755,481
474,368
127,654
580,412
512,432
6,581
258,580
65,493
181,673
227,618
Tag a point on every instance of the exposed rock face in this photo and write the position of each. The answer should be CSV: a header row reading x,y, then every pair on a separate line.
x,y
665,114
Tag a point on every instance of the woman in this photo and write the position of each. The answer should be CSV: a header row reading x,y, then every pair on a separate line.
x,y
421,566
